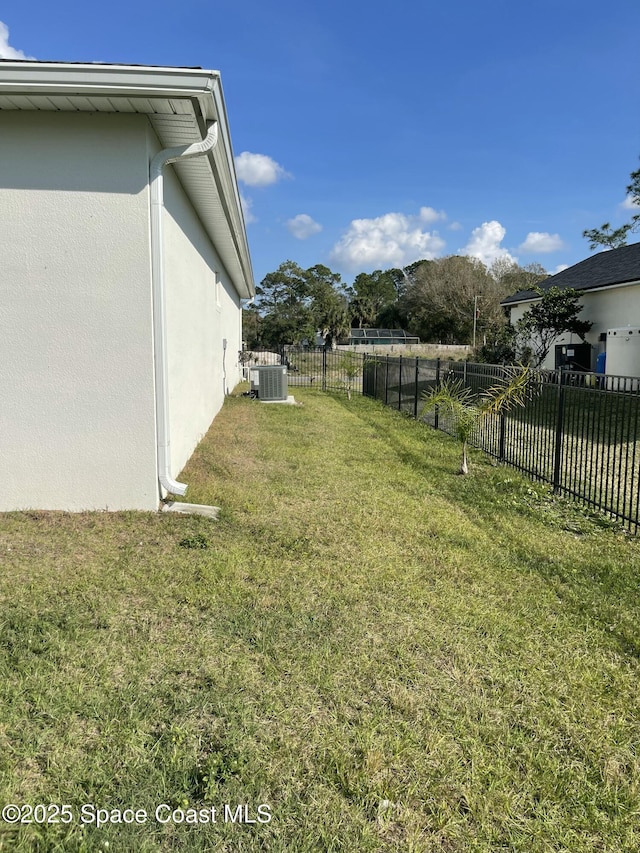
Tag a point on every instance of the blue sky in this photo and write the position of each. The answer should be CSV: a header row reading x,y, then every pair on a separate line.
x,y
371,135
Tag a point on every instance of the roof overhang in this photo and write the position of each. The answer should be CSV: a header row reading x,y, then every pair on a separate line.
x,y
179,103
527,296
513,300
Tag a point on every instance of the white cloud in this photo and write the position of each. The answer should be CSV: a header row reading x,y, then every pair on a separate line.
x,y
303,226
6,51
392,240
628,204
484,243
247,204
541,241
258,170
455,226
559,268
429,215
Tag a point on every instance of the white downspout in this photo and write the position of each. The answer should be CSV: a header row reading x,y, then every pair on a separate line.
x,y
168,155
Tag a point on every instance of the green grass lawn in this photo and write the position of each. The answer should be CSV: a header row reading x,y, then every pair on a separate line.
x,y
388,656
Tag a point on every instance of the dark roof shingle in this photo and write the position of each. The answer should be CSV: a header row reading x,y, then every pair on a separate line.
x,y
613,266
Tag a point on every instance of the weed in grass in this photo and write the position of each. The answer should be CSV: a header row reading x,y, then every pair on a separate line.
x,y
198,540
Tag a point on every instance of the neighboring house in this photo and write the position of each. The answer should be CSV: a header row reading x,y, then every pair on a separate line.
x,y
124,264
609,288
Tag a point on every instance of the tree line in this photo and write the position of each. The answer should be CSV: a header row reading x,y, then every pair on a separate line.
x,y
438,301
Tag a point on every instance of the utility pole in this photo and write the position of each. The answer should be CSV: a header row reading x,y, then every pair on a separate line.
x,y
475,318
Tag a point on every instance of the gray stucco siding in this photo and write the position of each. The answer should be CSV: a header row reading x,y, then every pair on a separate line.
x,y
77,426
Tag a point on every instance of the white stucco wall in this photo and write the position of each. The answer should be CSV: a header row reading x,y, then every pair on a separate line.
x,y
77,426
608,308
201,314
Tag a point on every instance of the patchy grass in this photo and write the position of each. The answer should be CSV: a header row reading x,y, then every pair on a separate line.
x,y
389,656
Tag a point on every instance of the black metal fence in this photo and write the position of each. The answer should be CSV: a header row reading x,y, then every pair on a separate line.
x,y
580,433
325,369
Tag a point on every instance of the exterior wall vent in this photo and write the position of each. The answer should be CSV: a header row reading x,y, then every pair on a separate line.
x,y
269,382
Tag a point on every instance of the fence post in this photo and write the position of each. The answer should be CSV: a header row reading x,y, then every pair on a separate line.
x,y
324,369
386,384
557,455
415,395
362,364
400,386
435,412
503,424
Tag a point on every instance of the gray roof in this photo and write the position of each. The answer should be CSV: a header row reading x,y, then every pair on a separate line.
x,y
613,266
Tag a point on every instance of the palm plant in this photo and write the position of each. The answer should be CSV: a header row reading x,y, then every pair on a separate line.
x,y
350,367
467,410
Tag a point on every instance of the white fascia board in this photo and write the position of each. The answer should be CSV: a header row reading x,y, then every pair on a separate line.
x,y
221,116
612,286
120,80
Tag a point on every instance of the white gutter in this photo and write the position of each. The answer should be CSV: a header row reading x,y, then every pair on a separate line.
x,y
96,79
168,155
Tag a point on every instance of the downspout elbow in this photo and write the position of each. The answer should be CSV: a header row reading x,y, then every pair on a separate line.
x,y
173,487
183,152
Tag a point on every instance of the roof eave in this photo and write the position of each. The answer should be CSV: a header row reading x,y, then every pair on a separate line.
x,y
100,79
512,300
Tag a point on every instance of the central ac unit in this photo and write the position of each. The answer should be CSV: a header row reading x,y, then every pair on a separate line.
x,y
269,382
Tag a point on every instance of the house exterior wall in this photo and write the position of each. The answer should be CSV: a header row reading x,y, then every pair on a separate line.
x,y
77,425
607,308
203,311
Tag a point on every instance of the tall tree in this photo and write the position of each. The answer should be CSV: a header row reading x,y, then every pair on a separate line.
x,y
284,301
370,294
329,304
288,285
294,304
441,296
613,238
251,326
511,277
